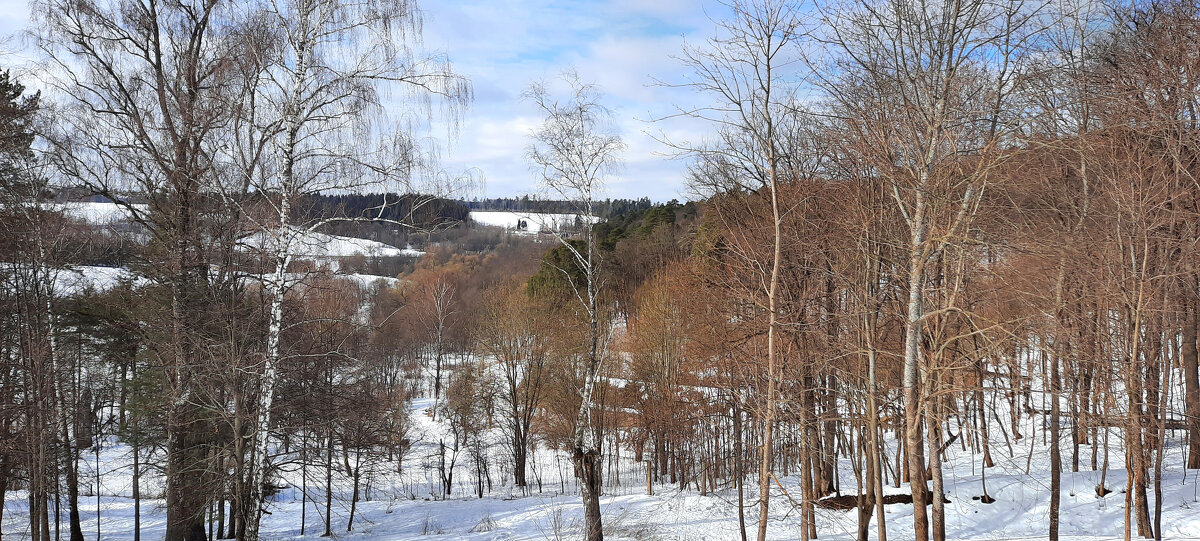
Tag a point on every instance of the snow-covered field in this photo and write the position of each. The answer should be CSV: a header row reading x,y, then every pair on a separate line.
x,y
315,245
77,279
101,213
402,506
537,221
81,278
96,212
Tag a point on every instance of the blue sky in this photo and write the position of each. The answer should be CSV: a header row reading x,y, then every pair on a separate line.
x,y
504,45
621,45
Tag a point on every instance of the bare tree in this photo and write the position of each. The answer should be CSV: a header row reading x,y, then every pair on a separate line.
x,y
924,85
144,85
573,153
442,308
749,71
316,122
508,333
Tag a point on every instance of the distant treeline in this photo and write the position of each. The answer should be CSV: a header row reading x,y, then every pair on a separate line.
x,y
605,208
421,210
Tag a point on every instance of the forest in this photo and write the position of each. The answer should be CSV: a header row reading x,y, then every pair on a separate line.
x,y
937,276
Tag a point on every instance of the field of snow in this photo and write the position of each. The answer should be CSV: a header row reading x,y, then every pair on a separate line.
x,y
96,213
77,279
316,245
320,245
313,245
402,506
537,221
366,281
80,278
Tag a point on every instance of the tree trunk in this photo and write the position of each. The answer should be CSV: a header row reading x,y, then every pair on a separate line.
x,y
1055,453
933,422
137,485
5,471
354,495
867,488
1191,380
186,430
72,479
520,454
768,417
275,290
807,489
303,482
329,487
1136,462
912,398
875,449
1055,411
738,473
587,470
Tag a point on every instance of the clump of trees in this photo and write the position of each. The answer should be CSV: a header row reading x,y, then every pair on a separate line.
x,y
916,227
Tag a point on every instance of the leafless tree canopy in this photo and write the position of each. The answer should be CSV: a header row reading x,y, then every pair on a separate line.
x,y
933,243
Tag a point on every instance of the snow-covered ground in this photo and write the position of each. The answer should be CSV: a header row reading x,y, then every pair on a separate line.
x,y
78,279
537,221
82,277
315,245
402,506
96,212
369,280
102,213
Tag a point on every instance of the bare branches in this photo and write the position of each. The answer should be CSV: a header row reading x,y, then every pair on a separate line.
x,y
573,153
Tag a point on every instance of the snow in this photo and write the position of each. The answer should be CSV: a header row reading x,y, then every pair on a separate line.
x,y
76,280
104,213
314,245
79,278
96,212
537,221
320,245
402,506
368,280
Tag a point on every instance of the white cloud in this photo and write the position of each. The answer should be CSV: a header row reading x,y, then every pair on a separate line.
x,y
622,45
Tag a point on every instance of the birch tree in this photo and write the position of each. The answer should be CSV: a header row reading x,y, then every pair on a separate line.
x,y
573,153
325,127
